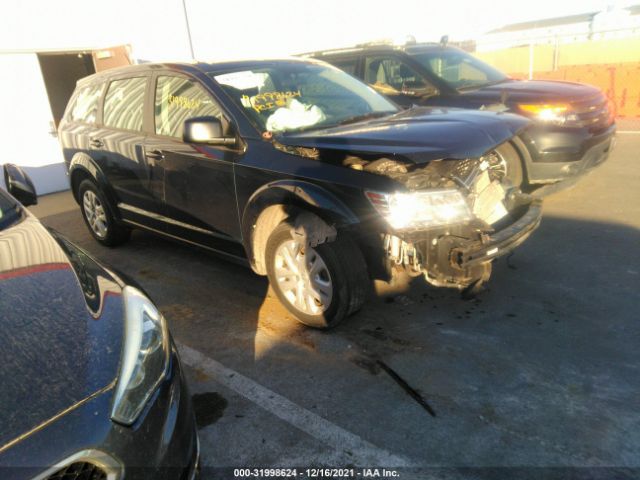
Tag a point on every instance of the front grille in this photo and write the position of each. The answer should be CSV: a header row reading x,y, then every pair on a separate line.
x,y
593,112
79,471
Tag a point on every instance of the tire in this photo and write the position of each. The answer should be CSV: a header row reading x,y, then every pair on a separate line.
x,y
98,216
344,267
510,157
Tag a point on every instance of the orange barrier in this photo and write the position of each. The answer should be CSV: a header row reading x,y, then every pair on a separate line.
x,y
620,81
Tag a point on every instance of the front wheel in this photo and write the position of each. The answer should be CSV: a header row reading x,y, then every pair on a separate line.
x,y
320,285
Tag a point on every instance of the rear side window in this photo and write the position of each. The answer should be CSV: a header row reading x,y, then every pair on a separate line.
x,y
124,104
85,105
346,64
177,100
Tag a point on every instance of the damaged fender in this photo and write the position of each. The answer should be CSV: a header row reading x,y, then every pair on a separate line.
x,y
291,195
310,230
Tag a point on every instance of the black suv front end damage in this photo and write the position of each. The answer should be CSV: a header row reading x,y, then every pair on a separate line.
x,y
459,254
450,207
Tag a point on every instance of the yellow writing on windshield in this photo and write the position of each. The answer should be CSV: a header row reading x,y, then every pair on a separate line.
x,y
269,100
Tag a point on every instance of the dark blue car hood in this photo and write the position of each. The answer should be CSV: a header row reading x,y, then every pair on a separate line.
x,y
421,134
61,323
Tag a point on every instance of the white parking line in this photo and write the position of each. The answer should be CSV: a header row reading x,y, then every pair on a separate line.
x,y
363,452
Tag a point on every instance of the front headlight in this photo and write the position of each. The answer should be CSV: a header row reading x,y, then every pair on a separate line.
x,y
145,356
424,209
555,113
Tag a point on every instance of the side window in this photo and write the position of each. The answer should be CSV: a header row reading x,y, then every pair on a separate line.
x,y
457,69
124,104
391,75
85,105
346,64
177,100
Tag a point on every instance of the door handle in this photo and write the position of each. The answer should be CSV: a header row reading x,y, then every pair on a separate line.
x,y
155,154
95,143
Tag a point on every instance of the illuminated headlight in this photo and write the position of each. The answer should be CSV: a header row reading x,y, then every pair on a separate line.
x,y
557,113
424,209
145,356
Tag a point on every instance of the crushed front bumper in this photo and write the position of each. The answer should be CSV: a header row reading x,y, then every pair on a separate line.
x,y
461,256
499,243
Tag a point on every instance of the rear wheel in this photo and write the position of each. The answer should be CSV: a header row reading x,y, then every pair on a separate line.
x,y
320,285
98,216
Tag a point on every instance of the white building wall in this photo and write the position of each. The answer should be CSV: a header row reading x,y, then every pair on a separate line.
x,y
25,123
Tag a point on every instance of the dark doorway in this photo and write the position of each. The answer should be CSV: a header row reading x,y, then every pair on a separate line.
x,y
61,71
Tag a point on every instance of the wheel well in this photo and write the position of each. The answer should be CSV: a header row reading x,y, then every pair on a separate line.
x,y
266,222
270,218
76,178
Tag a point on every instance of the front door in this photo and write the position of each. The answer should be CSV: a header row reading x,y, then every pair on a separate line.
x,y
197,181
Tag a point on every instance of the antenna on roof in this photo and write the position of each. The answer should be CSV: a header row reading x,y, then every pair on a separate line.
x,y
444,40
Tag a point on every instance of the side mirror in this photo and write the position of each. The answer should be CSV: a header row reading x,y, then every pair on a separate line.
x,y
20,185
206,130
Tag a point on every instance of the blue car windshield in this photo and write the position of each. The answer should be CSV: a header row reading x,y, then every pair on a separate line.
x,y
459,69
294,96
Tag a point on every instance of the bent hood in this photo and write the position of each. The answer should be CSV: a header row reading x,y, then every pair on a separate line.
x,y
61,318
421,134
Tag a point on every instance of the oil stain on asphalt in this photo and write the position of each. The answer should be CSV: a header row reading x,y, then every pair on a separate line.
x,y
209,407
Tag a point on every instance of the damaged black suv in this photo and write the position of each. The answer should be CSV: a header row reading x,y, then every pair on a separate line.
x,y
302,171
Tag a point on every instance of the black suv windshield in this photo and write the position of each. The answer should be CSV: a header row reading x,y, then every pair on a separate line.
x,y
459,69
10,211
292,96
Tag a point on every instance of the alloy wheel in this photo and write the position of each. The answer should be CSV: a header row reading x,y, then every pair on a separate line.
x,y
94,213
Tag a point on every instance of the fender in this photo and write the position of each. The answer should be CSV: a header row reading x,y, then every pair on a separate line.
x,y
82,164
293,195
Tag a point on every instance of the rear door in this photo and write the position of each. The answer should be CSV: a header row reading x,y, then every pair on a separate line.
x,y
198,184
119,144
80,120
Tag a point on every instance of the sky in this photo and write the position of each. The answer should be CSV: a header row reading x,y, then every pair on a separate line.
x,y
257,28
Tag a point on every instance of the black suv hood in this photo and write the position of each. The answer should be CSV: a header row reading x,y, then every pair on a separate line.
x,y
421,134
61,318
532,91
